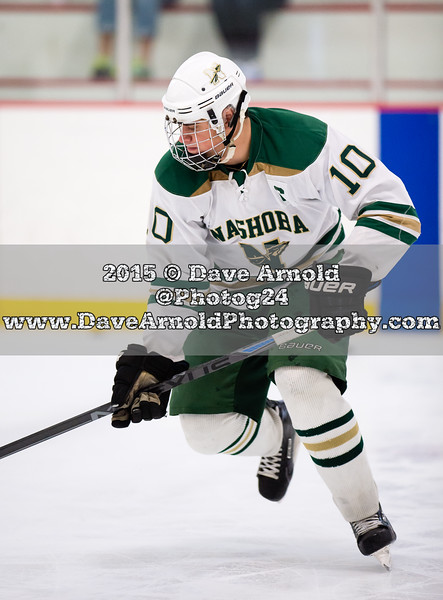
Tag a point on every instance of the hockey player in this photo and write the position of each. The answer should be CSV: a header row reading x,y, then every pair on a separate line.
x,y
247,187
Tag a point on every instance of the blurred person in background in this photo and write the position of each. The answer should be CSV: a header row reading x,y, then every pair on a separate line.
x,y
145,14
240,23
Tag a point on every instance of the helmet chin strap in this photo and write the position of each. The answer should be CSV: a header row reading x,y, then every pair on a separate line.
x,y
231,147
229,141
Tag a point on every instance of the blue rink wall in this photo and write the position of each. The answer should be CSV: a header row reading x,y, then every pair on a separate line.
x,y
410,145
81,174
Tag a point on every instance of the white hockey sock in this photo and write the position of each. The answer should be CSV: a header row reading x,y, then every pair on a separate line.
x,y
329,431
233,433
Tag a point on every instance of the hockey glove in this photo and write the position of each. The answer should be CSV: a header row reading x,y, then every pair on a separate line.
x,y
136,371
340,299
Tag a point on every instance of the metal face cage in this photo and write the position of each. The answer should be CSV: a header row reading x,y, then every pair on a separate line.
x,y
196,145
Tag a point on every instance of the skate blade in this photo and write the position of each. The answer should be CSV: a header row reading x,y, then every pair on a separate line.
x,y
384,557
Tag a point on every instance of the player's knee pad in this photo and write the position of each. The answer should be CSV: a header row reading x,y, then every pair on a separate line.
x,y
310,395
220,433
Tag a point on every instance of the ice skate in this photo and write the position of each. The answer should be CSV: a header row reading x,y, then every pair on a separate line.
x,y
275,472
374,536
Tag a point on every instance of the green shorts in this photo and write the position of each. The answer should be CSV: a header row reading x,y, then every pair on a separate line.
x,y
243,387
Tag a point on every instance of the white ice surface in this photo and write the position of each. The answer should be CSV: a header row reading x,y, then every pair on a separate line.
x,y
122,515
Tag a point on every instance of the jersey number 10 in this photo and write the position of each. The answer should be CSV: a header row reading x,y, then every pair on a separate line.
x,y
345,159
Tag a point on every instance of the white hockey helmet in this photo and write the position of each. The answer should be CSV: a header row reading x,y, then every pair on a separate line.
x,y
200,90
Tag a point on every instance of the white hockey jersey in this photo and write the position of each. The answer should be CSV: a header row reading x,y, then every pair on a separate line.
x,y
282,209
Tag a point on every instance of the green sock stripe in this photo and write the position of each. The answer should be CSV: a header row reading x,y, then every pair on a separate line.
x,y
250,441
338,461
327,426
237,440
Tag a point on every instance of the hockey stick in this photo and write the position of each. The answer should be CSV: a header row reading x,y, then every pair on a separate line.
x,y
106,409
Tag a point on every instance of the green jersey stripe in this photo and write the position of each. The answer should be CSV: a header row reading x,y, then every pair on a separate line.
x,y
327,239
402,209
394,232
329,235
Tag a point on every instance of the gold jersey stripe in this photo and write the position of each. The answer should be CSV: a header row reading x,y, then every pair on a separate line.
x,y
410,223
203,189
273,170
206,186
259,167
334,442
